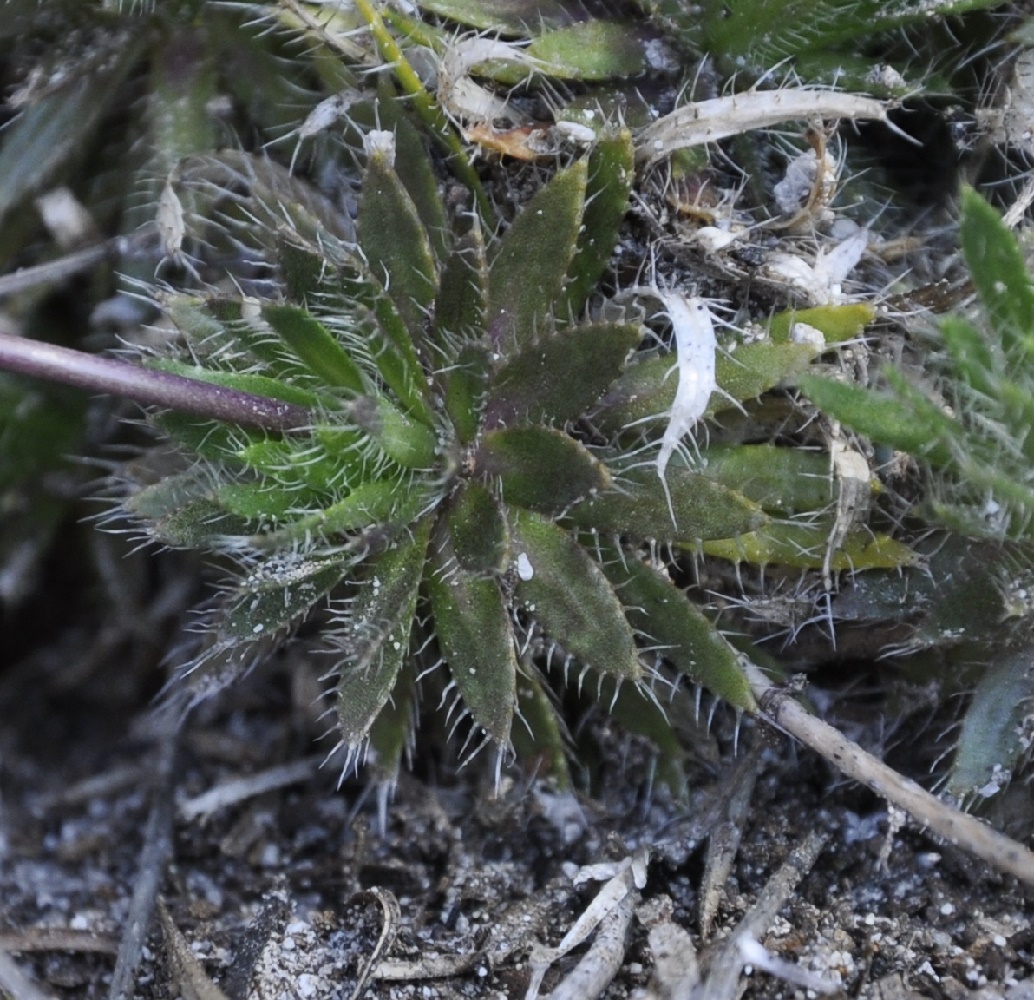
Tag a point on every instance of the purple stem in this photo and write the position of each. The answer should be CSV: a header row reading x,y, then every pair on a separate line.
x,y
157,388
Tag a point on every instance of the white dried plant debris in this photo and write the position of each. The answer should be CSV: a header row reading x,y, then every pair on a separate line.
x,y
675,969
700,122
715,239
1013,123
328,112
380,142
803,333
882,75
819,282
625,879
809,185
852,480
753,953
695,349
172,226
66,218
462,98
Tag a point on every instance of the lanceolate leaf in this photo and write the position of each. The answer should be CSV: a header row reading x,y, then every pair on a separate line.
x,y
259,385
466,385
382,504
315,346
276,597
391,734
646,391
395,244
477,529
837,323
781,480
413,165
806,546
41,141
538,732
637,506
476,639
999,271
568,594
375,643
460,306
590,50
511,17
990,744
539,468
609,185
527,272
677,629
884,418
559,376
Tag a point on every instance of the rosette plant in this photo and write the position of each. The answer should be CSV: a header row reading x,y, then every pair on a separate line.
x,y
442,505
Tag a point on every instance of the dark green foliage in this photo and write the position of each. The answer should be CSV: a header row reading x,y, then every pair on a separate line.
x,y
441,506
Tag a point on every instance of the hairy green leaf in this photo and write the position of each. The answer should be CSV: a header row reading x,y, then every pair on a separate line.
x,y
780,480
637,506
884,418
375,643
318,349
276,597
559,376
677,629
990,744
477,529
999,272
535,253
476,639
539,467
395,244
611,174
460,305
569,595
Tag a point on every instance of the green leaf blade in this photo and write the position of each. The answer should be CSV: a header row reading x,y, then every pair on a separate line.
x,y
560,376
395,244
680,631
638,506
476,639
534,254
539,468
569,595
375,642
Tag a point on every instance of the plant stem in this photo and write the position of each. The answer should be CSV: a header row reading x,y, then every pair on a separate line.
x,y
156,388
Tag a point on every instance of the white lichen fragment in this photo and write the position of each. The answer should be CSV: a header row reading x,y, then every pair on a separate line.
x,y
708,121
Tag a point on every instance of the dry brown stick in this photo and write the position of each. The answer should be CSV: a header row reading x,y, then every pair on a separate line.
x,y
960,829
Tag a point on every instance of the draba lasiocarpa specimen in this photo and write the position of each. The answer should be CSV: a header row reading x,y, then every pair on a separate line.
x,y
446,514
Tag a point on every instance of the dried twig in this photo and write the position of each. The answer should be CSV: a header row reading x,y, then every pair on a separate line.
x,y
958,828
